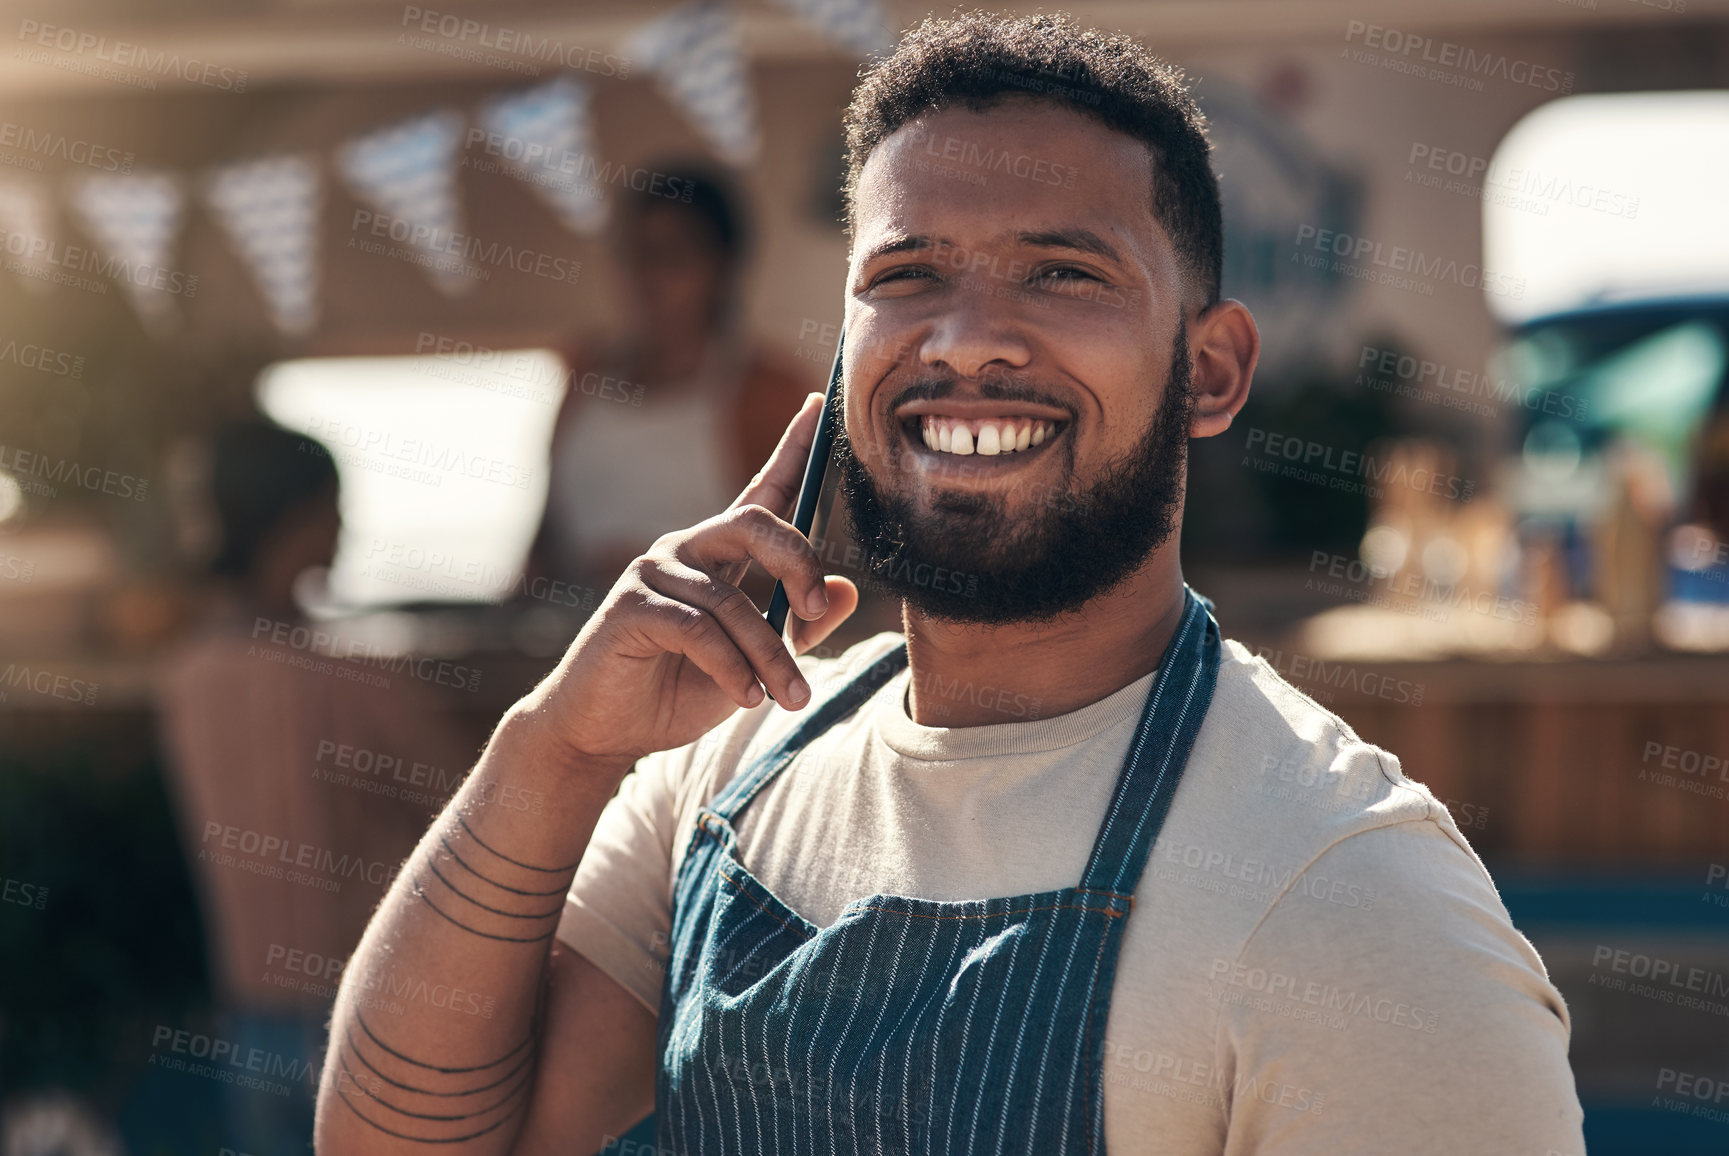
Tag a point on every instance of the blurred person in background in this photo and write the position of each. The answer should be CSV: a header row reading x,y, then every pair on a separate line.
x,y
666,420
249,724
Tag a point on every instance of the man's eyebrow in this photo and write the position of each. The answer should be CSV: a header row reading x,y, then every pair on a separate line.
x,y
900,245
1083,240
1080,240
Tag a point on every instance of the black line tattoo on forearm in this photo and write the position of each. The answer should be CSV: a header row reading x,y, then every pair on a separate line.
x,y
370,1122
495,883
520,1075
508,859
383,1103
373,1036
361,1056
419,891
433,867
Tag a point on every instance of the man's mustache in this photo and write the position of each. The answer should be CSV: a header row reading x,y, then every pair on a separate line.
x,y
991,386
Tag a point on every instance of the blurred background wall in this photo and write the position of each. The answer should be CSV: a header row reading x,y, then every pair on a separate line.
x,y
1478,503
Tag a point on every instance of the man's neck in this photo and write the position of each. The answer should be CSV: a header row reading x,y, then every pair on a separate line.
x,y
967,675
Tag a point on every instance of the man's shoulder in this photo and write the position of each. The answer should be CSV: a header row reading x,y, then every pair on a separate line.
x,y
1296,772
1287,820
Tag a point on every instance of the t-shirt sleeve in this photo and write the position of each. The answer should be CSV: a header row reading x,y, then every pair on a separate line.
x,y
618,911
1387,1004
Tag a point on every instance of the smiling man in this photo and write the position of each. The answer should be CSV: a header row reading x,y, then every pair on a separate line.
x,y
1054,869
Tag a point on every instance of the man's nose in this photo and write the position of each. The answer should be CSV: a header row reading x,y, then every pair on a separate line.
x,y
973,337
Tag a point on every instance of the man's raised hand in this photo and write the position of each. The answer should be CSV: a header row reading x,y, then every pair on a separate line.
x,y
676,646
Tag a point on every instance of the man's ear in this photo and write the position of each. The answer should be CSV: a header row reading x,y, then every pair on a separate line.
x,y
1224,346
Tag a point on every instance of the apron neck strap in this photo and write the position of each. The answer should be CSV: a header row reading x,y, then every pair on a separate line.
x,y
1182,690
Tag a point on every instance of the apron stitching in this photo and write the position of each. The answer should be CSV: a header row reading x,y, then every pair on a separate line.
x,y
993,914
721,872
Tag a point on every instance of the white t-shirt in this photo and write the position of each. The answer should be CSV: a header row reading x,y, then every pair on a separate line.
x,y
622,476
1316,962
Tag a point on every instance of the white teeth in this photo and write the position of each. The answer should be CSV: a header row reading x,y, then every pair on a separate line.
x,y
953,436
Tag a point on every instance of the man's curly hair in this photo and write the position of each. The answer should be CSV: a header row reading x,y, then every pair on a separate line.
x,y
976,60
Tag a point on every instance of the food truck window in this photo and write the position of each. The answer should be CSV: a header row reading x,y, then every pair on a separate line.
x,y
442,461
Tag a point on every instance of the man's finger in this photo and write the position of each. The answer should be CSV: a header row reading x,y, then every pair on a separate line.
x,y
771,663
776,485
751,533
842,601
680,628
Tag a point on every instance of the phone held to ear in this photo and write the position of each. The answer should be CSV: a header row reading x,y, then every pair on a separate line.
x,y
815,470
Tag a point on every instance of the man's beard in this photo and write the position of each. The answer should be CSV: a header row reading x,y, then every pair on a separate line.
x,y
971,562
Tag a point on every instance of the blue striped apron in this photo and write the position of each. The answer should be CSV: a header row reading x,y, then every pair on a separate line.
x,y
910,1025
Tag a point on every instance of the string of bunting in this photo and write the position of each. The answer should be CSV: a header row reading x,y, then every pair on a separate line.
x,y
268,207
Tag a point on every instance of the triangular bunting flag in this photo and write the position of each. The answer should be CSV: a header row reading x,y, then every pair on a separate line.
x,y
24,212
544,137
694,52
135,219
860,25
408,173
270,209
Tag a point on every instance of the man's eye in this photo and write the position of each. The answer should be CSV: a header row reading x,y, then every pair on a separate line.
x,y
901,279
1065,273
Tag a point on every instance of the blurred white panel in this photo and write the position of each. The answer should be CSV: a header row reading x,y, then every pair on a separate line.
x,y
442,461
1609,198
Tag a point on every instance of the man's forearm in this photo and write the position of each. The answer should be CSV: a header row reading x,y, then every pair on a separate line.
x,y
671,653
433,1036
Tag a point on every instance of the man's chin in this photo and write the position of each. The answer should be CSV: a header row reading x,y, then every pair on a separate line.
x,y
969,532
964,558
965,571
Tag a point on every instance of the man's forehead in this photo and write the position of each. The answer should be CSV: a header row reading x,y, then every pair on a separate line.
x,y
1045,167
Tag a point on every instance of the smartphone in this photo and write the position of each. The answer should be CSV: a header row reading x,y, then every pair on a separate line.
x,y
815,470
